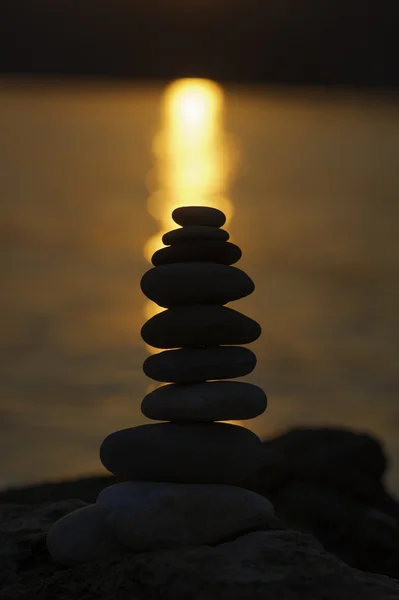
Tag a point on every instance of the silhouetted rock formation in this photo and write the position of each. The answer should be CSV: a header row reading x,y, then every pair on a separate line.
x,y
329,482
360,528
180,477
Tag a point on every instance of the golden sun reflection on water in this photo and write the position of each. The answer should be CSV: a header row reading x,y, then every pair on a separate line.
x,y
193,154
194,159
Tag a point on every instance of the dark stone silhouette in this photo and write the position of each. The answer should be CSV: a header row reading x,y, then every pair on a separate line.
x,y
329,482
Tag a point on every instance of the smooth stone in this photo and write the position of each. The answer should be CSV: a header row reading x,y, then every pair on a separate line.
x,y
195,283
210,401
190,452
199,215
194,232
199,325
200,364
224,253
82,536
152,515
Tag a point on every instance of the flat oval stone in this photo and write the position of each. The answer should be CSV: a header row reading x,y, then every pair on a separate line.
x,y
82,536
195,283
199,325
199,215
210,401
153,516
200,364
189,452
194,232
224,253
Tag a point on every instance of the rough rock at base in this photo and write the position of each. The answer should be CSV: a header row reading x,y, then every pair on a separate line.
x,y
269,565
329,482
349,460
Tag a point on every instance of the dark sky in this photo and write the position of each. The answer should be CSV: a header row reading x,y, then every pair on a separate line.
x,y
345,42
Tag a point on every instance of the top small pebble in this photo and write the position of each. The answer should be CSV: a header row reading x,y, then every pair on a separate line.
x,y
199,215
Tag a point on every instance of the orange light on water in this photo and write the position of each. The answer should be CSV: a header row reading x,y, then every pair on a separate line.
x,y
188,103
193,160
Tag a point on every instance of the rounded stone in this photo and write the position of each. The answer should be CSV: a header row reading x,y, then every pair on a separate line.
x,y
200,364
199,215
152,515
194,232
199,325
82,536
224,253
195,283
210,401
183,453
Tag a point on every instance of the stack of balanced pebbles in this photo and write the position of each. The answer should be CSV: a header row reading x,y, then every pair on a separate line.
x,y
180,477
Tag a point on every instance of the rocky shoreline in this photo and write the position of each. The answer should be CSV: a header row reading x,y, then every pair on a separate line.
x,y
276,564
336,524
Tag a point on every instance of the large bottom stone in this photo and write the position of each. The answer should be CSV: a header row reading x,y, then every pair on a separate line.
x,y
200,364
81,536
151,516
187,453
210,401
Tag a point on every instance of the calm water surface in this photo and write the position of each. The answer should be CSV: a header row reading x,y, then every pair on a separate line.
x,y
310,181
